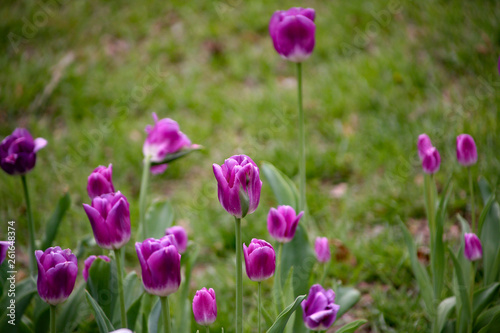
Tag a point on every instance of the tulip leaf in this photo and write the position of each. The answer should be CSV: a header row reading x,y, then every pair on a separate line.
x,y
159,217
283,188
133,312
444,310
154,321
102,321
346,297
41,316
102,285
483,297
463,294
280,323
493,326
352,326
181,153
188,259
71,312
55,220
488,320
25,291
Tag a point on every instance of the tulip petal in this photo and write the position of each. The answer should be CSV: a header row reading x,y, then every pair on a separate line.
x,y
99,227
39,144
295,37
118,223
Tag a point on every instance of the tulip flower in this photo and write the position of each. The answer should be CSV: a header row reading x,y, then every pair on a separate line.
x,y
431,161
424,143
282,223
181,237
88,262
100,181
18,152
319,310
109,216
122,330
473,250
322,249
292,32
260,260
466,150
4,246
205,307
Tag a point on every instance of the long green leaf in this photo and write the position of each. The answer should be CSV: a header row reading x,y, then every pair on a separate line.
x,y
483,297
159,217
25,291
352,326
462,293
181,153
133,312
154,320
102,321
493,326
346,297
72,311
488,318
283,188
55,220
444,310
280,323
102,286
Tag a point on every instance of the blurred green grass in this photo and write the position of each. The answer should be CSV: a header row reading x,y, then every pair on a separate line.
x,y
382,73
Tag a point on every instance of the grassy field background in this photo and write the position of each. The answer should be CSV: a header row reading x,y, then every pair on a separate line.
x,y
86,75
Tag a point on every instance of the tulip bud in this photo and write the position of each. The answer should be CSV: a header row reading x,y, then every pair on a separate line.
x,y
238,185
57,271
18,152
100,181
431,161
180,235
473,250
205,307
161,265
322,249
4,246
466,150
424,143
260,260
292,32
88,262
109,217
319,310
282,223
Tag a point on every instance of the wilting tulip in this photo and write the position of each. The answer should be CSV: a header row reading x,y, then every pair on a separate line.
x,y
282,223
180,235
431,161
238,185
100,181
109,216
205,307
466,150
57,271
163,138
322,249
319,310
473,249
4,246
18,152
424,143
292,32
260,260
161,265
88,262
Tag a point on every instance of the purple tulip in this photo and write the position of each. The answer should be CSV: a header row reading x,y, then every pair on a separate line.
x,y
322,249
466,150
292,32
161,265
431,160
205,307
282,223
238,185
473,250
88,262
180,235
4,246
18,152
109,216
163,138
319,310
260,260
424,143
57,271
100,181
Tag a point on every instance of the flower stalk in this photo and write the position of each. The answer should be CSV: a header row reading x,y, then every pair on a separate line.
x,y
142,195
239,277
119,267
52,319
260,304
31,226
472,202
302,143
166,314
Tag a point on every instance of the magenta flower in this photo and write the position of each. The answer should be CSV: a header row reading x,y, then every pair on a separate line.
x,y
88,262
109,217
466,150
260,260
18,152
319,310
322,249
282,223
473,250
238,185
100,181
205,307
57,271
292,32
431,161
161,265
180,235
424,143
4,246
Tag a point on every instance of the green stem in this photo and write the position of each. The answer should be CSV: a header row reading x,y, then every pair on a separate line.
x,y
166,314
31,226
259,309
302,143
239,279
471,297
52,319
143,194
277,281
472,202
325,271
119,268
208,329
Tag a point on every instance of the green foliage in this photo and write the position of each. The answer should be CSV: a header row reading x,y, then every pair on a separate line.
x,y
54,223
102,321
280,323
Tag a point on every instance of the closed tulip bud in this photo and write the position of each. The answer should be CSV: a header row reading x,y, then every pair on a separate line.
x,y
322,249
57,271
205,307
18,152
431,161
466,150
424,143
260,260
282,223
180,235
161,265
88,262
292,32
4,246
473,250
319,310
238,185
109,217
100,181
